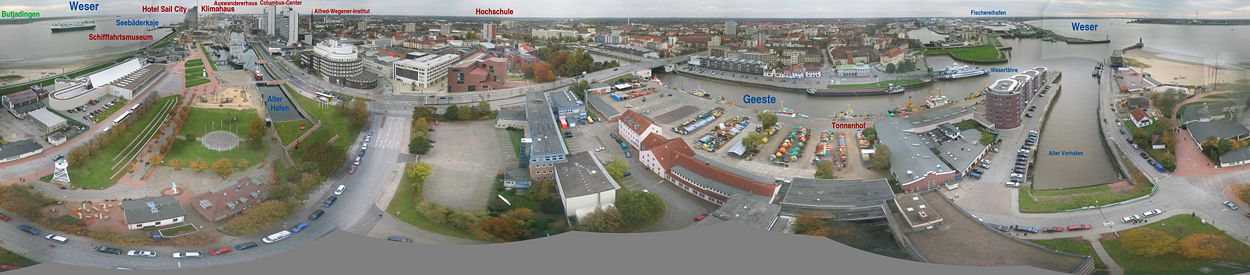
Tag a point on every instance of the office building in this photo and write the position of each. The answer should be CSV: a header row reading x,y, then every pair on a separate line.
x,y
192,19
271,16
425,70
546,146
488,32
1004,103
338,63
478,72
731,28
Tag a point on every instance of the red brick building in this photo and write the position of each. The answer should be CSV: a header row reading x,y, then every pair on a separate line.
x,y
673,160
478,72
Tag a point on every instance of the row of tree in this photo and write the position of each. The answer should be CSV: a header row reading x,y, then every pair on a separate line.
x,y
223,166
905,66
568,63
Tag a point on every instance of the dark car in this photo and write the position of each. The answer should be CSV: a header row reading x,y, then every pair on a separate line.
x,y
28,229
399,239
1002,228
614,136
1027,228
316,214
245,246
329,201
1144,156
109,250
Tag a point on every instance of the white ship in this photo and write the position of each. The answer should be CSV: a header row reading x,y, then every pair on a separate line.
x,y
961,71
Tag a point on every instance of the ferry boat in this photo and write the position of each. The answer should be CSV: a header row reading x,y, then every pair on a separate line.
x,y
961,71
894,89
73,26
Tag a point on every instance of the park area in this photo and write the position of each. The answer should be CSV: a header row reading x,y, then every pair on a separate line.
x,y
195,74
103,165
334,124
978,54
1181,244
225,130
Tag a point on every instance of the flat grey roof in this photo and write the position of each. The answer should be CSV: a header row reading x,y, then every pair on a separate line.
x,y
161,208
837,193
1206,109
907,151
1239,155
960,153
511,113
938,116
916,210
564,99
18,148
742,209
135,80
1222,128
583,175
545,135
732,169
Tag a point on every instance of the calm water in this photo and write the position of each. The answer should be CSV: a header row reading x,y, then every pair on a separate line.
x,y
34,44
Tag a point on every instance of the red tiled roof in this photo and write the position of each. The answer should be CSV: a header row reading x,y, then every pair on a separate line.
x,y
634,121
652,141
675,152
1138,114
666,153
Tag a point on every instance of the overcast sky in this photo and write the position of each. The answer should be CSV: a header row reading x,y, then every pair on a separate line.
x,y
712,8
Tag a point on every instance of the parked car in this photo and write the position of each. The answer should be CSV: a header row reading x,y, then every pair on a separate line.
x,y
245,246
5,218
28,229
1049,229
1027,228
1131,218
700,217
275,237
220,251
339,191
141,253
316,215
108,250
56,238
1012,184
399,239
299,227
1152,213
1076,227
329,201
1002,228
357,162
187,254
1230,205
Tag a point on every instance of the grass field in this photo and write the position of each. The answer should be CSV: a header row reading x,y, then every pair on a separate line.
x,y
9,258
288,131
194,73
12,77
1178,226
204,120
1052,201
177,230
882,84
515,136
404,207
189,150
209,57
95,172
1072,245
332,123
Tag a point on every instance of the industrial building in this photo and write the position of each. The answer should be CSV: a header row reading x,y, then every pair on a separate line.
x,y
546,146
21,103
121,80
585,186
15,150
702,177
912,163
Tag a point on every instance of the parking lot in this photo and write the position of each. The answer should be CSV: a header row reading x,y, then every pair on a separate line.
x,y
91,114
19,129
465,159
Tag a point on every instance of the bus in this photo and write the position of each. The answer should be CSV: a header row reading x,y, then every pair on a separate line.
x,y
137,104
121,118
325,95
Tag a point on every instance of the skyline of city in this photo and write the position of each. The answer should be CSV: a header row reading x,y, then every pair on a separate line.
x,y
717,9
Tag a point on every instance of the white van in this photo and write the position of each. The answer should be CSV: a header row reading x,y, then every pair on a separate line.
x,y
277,237
56,238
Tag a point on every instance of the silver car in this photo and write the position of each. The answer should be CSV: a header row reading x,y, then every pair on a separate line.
x,y
141,253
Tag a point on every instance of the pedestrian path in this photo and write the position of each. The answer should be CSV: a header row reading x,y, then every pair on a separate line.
x,y
1112,266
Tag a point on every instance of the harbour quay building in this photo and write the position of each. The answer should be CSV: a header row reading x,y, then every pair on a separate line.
x,y
338,63
728,64
1004,103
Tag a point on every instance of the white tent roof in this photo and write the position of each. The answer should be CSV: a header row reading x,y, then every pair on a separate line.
x,y
116,72
47,118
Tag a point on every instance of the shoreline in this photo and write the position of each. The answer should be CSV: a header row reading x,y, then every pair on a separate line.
x,y
1171,71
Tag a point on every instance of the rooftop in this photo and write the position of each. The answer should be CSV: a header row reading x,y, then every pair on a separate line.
x,y
635,121
564,99
1220,128
134,80
962,152
542,129
837,193
222,203
916,210
13,149
908,154
741,209
583,175
151,209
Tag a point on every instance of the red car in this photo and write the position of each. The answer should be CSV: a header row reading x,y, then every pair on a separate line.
x,y
220,251
5,218
1053,229
1076,227
700,217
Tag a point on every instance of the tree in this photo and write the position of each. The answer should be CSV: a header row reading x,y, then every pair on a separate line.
x,y
809,222
824,169
262,215
176,164
1244,194
418,170
427,113
580,89
504,229
257,130
616,168
880,158
889,68
452,113
520,215
482,110
608,220
465,113
471,35
768,119
543,73
1203,246
421,126
199,165
223,167
529,72
243,164
1147,242
155,159
358,112
753,141
419,144
639,207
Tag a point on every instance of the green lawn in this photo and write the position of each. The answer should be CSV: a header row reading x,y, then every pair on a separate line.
x,y
1162,156
195,63
288,131
204,120
986,136
882,84
209,57
95,172
403,207
1072,245
188,150
194,71
177,230
983,53
12,77
9,258
515,136
332,123
1173,263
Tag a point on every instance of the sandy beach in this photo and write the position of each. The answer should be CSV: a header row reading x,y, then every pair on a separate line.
x,y
31,72
1177,72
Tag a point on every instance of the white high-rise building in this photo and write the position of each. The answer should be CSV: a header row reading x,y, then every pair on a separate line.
x,y
488,31
424,70
292,36
731,28
271,14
